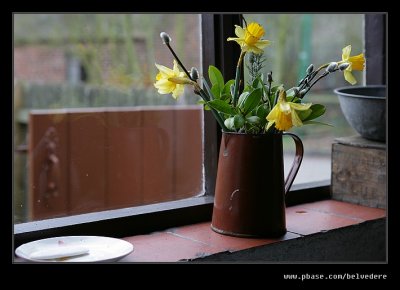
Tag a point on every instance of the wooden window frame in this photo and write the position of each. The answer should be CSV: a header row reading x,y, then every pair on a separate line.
x,y
145,219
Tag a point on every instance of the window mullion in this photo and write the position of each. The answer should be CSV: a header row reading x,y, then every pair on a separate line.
x,y
215,29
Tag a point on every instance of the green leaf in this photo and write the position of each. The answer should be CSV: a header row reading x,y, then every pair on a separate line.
x,y
208,90
216,91
222,106
242,98
247,88
229,123
255,83
317,111
253,119
317,123
238,121
262,111
227,87
215,76
226,92
303,115
252,101
204,103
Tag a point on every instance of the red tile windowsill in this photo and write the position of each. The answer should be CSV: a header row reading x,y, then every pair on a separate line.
x,y
198,240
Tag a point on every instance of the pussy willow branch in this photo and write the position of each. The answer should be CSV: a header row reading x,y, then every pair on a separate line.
x,y
179,61
320,77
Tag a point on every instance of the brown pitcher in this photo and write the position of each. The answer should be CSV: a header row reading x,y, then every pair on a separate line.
x,y
250,187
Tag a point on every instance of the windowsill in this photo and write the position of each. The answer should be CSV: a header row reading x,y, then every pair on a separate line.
x,y
198,242
145,219
326,230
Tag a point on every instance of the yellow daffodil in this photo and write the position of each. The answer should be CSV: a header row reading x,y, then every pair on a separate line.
x,y
249,38
284,114
356,63
170,80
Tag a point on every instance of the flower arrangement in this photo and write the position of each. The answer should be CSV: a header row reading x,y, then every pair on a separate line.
x,y
262,106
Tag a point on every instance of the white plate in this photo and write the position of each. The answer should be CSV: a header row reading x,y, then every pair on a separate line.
x,y
101,249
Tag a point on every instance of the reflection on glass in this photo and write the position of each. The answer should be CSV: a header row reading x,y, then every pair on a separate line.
x,y
91,132
297,40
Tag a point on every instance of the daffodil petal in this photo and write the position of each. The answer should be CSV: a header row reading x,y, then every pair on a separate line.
x,y
178,91
350,67
162,83
273,114
263,43
254,49
346,52
232,39
239,31
296,120
348,76
164,90
300,107
176,68
164,86
164,69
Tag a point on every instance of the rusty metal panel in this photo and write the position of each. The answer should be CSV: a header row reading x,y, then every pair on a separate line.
x,y
188,148
124,151
87,161
158,153
48,168
113,158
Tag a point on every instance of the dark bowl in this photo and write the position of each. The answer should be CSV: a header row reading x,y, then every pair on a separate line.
x,y
364,108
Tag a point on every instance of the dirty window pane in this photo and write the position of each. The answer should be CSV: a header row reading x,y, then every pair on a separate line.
x,y
91,131
297,41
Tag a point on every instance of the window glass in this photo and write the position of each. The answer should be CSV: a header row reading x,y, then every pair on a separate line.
x,y
297,40
91,131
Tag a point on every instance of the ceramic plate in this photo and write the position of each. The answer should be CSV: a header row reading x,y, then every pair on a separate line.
x,y
75,249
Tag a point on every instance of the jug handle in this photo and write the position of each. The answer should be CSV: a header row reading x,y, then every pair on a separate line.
x,y
296,162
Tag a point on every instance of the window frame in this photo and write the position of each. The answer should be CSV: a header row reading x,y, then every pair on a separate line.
x,y
215,28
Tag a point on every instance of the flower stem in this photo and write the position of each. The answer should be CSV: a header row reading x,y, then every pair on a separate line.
x,y
237,78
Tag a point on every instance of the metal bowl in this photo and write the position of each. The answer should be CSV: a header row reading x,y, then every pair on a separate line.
x,y
365,109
